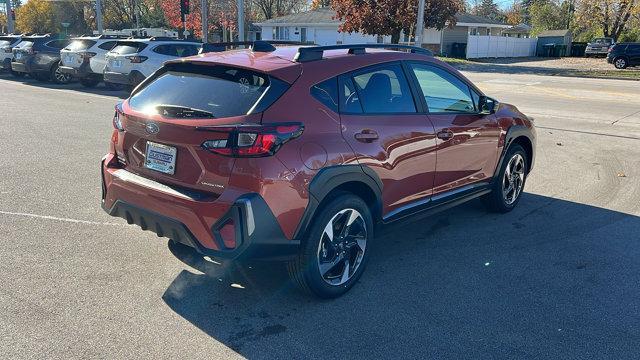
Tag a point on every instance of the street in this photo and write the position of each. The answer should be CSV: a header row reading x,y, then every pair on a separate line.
x,y
558,277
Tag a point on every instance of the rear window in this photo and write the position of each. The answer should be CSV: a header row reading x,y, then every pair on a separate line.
x,y
25,45
79,45
7,40
216,90
128,48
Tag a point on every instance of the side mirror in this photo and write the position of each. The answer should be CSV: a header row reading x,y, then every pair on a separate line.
x,y
488,105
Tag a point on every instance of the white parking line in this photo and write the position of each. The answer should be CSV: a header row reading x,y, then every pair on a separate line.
x,y
54,218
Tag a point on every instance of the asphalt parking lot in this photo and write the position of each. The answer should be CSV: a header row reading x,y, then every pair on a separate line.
x,y
558,277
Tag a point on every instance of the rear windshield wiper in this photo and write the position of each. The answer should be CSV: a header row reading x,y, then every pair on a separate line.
x,y
177,111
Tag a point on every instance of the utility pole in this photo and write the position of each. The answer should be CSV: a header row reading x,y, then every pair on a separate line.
x,y
241,20
99,16
10,25
205,21
420,23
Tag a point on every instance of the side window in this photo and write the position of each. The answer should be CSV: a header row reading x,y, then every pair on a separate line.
x,y
384,90
349,99
108,45
186,50
168,50
327,93
443,92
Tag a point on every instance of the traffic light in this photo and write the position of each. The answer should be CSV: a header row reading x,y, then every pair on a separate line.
x,y
184,7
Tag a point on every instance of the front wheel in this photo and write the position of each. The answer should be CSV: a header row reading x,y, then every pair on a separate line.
x,y
508,185
335,253
620,63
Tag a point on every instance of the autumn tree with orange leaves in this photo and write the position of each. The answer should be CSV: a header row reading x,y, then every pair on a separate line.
x,y
391,17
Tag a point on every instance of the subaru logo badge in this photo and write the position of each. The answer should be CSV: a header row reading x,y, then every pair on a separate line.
x,y
152,128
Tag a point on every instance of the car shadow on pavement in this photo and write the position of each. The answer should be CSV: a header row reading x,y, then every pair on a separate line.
x,y
73,86
551,279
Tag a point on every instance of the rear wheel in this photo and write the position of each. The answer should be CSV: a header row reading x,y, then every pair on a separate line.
x,y
58,76
508,186
620,63
335,253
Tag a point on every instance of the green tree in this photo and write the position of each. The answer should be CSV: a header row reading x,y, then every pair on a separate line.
x,y
36,16
611,16
488,9
548,15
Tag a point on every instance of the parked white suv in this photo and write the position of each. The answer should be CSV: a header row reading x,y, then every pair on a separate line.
x,y
7,42
84,58
133,60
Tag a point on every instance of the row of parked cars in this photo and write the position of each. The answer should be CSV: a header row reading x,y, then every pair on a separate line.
x,y
621,55
119,62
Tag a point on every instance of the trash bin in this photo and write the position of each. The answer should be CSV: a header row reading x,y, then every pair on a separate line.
x,y
459,50
547,50
577,49
560,50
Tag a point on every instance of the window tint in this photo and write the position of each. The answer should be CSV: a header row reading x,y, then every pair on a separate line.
x,y
384,90
108,45
327,93
349,99
168,50
443,91
125,48
186,50
57,44
221,91
79,45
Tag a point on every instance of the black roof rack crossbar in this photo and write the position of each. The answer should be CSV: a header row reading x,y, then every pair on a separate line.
x,y
313,53
257,45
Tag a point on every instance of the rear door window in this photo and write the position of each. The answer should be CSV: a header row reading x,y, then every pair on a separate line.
x,y
384,90
219,91
168,50
327,93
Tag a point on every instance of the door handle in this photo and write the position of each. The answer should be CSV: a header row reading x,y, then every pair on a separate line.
x,y
445,135
366,136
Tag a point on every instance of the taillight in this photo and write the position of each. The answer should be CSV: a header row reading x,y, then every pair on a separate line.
x,y
117,118
136,59
252,140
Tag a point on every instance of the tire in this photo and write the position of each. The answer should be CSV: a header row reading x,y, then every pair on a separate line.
x,y
332,251
500,199
113,86
59,77
89,82
620,63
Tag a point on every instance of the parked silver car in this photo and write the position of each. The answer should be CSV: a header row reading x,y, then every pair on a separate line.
x,y
598,47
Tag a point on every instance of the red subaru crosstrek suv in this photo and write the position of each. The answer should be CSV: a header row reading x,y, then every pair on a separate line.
x,y
298,153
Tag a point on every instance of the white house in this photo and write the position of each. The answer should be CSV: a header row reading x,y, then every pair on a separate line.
x,y
320,27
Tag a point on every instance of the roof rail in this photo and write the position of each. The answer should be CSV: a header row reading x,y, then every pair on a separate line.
x,y
257,45
314,53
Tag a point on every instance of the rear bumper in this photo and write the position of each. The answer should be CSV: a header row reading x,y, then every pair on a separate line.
x,y
116,78
195,220
80,72
20,67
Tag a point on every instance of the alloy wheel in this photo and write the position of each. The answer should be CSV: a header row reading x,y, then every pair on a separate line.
x,y
61,77
621,63
342,246
513,179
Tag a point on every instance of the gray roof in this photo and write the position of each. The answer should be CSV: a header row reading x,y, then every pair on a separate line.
x,y
474,19
520,28
317,16
328,16
563,32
